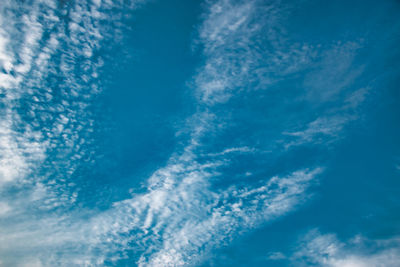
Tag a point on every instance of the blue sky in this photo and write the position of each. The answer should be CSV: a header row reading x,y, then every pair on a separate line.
x,y
199,133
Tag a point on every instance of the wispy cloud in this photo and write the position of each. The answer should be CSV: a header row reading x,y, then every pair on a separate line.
x,y
334,71
244,49
247,52
318,249
321,130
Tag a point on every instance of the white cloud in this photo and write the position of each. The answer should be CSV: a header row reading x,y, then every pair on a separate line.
x,y
321,130
28,53
335,72
180,218
239,150
32,263
276,256
246,50
242,210
4,208
318,249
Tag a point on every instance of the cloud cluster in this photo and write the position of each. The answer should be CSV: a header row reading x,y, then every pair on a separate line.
x,y
49,77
